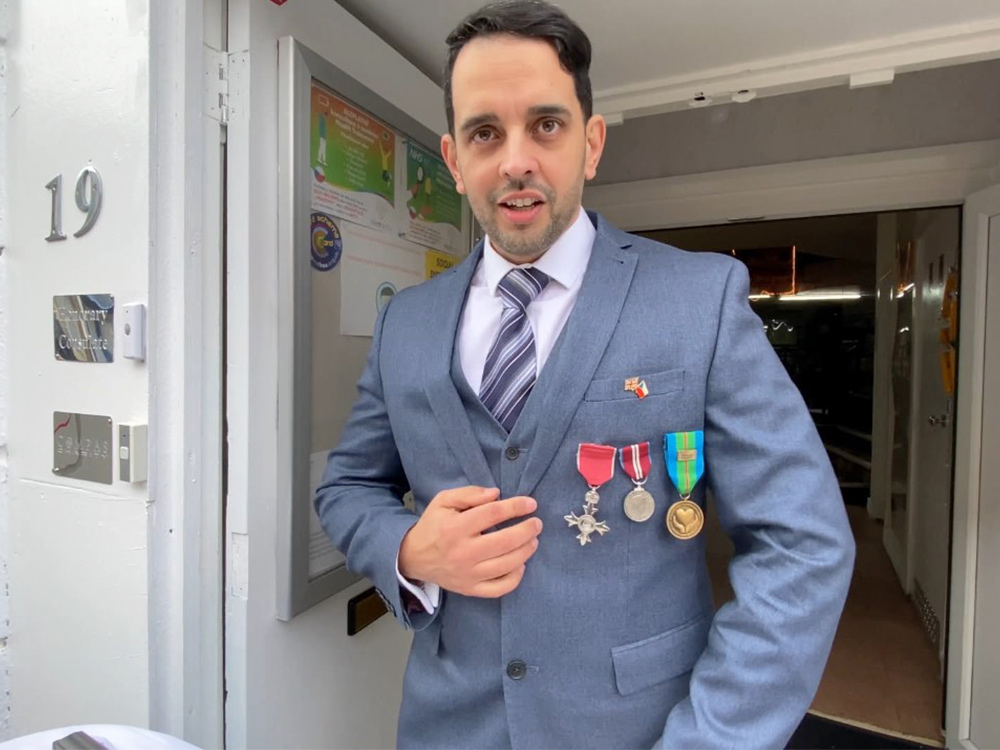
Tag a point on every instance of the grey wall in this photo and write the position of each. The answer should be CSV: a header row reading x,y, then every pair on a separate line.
x,y
929,108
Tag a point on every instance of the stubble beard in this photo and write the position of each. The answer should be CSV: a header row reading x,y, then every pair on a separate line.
x,y
521,245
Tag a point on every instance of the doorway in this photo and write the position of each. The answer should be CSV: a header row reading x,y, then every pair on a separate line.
x,y
862,310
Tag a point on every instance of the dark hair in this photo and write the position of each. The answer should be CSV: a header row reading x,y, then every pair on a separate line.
x,y
531,19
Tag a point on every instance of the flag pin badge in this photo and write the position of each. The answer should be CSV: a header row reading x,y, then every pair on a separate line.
x,y
636,386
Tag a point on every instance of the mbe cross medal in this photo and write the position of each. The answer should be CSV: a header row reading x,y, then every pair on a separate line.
x,y
685,459
596,463
639,504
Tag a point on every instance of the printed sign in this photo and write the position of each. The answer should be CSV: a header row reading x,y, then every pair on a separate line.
x,y
438,262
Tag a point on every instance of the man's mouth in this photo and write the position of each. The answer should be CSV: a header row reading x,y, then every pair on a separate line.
x,y
521,204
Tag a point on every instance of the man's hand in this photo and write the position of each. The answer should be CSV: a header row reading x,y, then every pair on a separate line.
x,y
447,545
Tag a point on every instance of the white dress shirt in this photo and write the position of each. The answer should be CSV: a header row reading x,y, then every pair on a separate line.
x,y
564,263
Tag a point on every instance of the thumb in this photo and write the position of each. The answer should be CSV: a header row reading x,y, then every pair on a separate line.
x,y
463,498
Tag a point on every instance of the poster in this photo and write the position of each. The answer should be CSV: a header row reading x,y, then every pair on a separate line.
x,y
374,267
353,163
431,207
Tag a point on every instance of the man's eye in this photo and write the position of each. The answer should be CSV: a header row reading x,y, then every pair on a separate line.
x,y
481,136
548,126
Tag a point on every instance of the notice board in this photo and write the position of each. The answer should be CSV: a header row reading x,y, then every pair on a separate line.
x,y
367,207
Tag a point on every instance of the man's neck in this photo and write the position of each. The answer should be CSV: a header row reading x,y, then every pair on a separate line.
x,y
518,260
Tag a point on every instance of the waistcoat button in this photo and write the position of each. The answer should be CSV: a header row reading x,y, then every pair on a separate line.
x,y
516,670
513,453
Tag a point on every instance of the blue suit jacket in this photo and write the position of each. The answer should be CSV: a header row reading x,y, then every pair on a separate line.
x,y
616,644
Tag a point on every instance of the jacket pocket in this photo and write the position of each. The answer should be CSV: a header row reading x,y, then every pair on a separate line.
x,y
658,384
649,662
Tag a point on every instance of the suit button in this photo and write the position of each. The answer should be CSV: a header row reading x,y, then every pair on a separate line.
x,y
516,670
513,453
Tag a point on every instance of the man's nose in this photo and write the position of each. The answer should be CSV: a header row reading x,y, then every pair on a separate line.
x,y
519,161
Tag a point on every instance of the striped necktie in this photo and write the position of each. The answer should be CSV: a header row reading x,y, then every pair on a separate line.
x,y
511,369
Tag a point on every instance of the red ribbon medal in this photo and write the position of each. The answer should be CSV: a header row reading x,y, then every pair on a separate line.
x,y
639,504
635,462
596,463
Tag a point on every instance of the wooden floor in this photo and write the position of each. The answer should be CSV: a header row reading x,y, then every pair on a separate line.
x,y
883,672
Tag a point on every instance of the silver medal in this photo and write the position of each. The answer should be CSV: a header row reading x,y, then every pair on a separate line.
x,y
639,505
587,523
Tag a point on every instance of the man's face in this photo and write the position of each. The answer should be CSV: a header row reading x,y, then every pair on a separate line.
x,y
521,150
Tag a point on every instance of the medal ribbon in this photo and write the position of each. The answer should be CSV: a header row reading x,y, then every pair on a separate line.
x,y
596,462
685,456
635,462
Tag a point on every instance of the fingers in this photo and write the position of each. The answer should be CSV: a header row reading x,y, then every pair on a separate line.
x,y
463,498
449,547
499,586
498,567
499,543
487,515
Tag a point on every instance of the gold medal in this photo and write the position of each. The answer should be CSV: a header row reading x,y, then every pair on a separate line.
x,y
685,519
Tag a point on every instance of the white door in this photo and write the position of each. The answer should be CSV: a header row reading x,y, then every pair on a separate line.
x,y
973,680
932,408
917,485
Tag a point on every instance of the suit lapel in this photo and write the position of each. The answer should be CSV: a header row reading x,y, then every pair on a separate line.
x,y
440,387
571,366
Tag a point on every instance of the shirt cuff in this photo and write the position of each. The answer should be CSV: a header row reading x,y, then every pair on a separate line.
x,y
427,593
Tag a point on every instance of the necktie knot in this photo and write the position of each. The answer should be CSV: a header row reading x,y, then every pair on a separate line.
x,y
521,285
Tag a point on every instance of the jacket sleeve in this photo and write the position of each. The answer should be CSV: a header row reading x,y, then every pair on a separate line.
x,y
779,501
359,501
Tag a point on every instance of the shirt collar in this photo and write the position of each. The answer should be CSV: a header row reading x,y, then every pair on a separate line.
x,y
563,263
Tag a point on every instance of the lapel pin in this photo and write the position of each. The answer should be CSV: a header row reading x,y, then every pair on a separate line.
x,y
636,386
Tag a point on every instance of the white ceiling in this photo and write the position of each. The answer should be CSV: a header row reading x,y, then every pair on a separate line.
x,y
654,55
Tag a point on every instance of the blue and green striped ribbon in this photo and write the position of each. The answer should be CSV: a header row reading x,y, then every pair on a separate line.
x,y
684,473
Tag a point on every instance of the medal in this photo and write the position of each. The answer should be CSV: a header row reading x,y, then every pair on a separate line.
x,y
685,519
684,456
639,504
596,463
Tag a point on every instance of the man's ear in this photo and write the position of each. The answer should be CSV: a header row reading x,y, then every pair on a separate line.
x,y
449,151
597,131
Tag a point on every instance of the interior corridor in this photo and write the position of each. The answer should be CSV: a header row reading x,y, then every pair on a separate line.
x,y
883,672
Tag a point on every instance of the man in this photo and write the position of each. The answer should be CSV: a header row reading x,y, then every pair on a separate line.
x,y
522,395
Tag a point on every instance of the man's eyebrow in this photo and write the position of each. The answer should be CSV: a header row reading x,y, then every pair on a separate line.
x,y
549,110
478,121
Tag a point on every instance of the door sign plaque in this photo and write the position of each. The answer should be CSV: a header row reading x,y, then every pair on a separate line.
x,y
84,327
82,447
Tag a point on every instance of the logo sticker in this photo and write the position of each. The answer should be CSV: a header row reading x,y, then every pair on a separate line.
x,y
327,244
